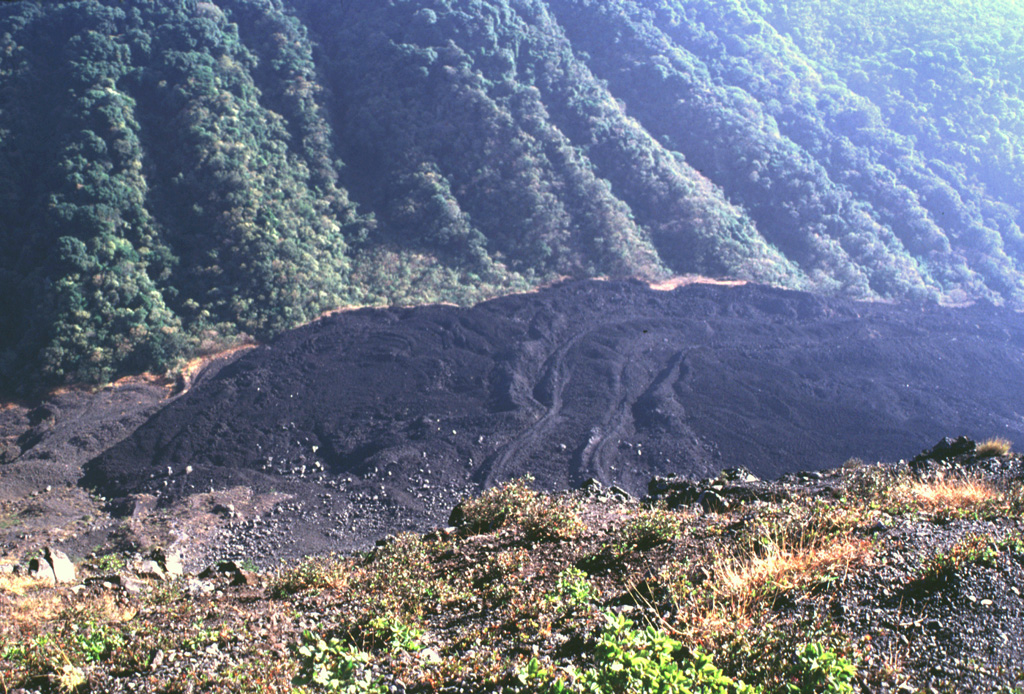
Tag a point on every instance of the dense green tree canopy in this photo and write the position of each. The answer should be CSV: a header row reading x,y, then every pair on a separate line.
x,y
175,175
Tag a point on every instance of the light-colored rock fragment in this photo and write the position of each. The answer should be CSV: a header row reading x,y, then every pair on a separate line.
x,y
173,564
148,568
62,566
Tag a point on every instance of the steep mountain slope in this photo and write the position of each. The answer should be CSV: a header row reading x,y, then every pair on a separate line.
x,y
196,172
377,419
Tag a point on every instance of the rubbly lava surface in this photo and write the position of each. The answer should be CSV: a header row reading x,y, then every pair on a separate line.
x,y
377,421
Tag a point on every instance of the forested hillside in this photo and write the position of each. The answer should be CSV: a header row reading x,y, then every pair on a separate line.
x,y
177,175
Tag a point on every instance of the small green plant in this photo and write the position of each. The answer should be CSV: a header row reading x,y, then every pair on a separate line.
x,y
199,638
396,634
650,527
1014,544
166,593
17,652
1014,499
97,641
806,656
575,588
821,671
630,660
47,656
109,563
335,667
9,521
574,591
943,567
537,679
867,485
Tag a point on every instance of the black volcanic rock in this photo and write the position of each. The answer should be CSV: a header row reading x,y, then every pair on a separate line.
x,y
376,419
945,449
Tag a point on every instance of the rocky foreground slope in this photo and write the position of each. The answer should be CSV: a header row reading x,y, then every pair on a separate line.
x,y
868,578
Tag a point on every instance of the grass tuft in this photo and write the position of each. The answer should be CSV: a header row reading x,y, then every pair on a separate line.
x,y
19,584
949,497
944,566
951,494
746,582
313,574
992,448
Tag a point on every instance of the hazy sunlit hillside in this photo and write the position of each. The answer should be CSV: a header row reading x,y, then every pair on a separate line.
x,y
176,174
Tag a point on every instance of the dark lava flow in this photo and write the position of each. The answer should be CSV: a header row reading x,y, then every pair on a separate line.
x,y
378,420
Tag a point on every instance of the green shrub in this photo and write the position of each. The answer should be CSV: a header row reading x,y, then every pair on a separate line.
x,y
335,667
498,505
539,516
629,660
574,590
645,660
395,633
550,519
400,577
312,574
650,527
820,671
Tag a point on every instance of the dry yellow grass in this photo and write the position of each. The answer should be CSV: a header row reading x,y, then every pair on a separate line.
x,y
783,568
993,447
104,608
19,584
70,678
948,494
742,588
37,611
26,613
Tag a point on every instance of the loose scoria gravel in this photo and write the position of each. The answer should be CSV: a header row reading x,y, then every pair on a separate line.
x,y
379,420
